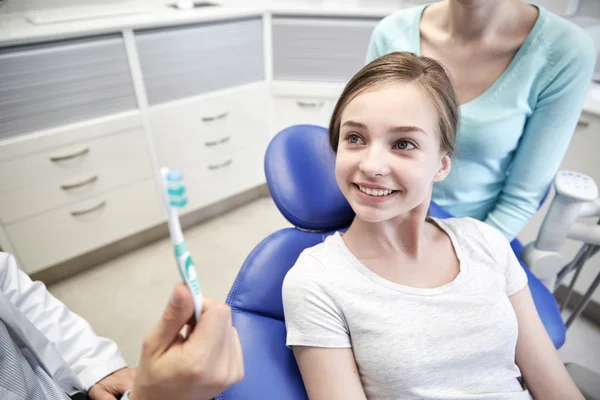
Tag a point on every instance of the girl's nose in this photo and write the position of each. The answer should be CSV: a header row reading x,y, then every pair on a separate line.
x,y
374,162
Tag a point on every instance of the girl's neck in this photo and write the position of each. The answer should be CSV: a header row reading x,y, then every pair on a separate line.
x,y
405,235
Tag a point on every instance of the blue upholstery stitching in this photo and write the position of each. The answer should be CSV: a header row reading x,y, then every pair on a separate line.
x,y
248,312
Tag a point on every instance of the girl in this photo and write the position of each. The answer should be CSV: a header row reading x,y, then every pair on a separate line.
x,y
401,305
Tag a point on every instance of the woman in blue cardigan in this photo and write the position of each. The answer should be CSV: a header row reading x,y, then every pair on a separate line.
x,y
521,74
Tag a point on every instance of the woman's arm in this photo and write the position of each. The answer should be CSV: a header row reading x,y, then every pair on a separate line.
x,y
544,373
329,374
546,136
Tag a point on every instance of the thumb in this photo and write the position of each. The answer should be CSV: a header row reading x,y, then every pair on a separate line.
x,y
178,312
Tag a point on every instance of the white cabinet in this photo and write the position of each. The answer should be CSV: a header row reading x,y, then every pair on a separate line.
x,y
74,229
67,173
188,131
217,140
70,190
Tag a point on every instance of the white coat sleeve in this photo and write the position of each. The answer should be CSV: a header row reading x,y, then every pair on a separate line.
x,y
91,357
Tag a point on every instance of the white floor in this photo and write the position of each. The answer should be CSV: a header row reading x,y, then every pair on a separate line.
x,y
123,298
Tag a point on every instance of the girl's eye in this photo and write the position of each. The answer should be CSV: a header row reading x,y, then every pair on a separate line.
x,y
353,139
403,145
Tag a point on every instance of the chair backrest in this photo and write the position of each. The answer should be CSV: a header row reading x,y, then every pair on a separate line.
x,y
299,167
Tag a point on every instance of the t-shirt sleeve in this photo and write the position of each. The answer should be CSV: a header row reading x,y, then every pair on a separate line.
x,y
506,260
312,317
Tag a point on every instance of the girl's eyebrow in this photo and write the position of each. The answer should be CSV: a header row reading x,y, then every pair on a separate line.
x,y
395,129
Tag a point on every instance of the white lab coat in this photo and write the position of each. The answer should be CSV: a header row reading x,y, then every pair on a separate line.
x,y
63,343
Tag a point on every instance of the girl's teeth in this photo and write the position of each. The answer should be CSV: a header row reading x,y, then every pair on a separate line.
x,y
375,192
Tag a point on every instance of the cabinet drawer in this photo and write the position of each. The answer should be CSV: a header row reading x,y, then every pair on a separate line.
x,y
320,49
186,61
224,176
111,162
72,230
63,163
290,111
189,131
56,83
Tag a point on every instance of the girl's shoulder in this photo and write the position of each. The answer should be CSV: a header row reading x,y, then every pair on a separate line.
x,y
473,235
318,261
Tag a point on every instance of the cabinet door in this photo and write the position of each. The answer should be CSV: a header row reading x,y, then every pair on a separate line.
x,y
180,62
57,83
319,49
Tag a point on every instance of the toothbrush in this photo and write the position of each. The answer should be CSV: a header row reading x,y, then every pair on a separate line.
x,y
174,198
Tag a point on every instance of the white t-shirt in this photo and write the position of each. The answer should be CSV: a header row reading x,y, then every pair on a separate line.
x,y
456,341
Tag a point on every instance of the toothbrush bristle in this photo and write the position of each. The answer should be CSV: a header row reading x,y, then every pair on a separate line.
x,y
176,189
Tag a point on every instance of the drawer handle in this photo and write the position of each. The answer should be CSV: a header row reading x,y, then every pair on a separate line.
x,y
310,104
79,184
217,142
581,124
217,117
70,156
89,210
222,165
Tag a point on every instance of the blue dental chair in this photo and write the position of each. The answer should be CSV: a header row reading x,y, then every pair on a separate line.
x,y
299,167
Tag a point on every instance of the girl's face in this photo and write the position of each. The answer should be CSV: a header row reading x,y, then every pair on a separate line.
x,y
389,152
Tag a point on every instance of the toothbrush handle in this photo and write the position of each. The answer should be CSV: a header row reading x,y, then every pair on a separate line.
x,y
189,275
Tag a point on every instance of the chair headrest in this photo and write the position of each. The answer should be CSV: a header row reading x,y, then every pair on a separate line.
x,y
300,172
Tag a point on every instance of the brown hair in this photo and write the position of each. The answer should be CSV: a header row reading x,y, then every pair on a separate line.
x,y
427,73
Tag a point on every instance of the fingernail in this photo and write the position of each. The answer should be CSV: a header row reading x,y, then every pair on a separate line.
x,y
174,298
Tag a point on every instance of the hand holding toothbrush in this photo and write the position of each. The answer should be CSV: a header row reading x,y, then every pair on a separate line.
x,y
196,367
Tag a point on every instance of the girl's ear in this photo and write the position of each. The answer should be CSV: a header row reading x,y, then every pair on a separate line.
x,y
444,170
